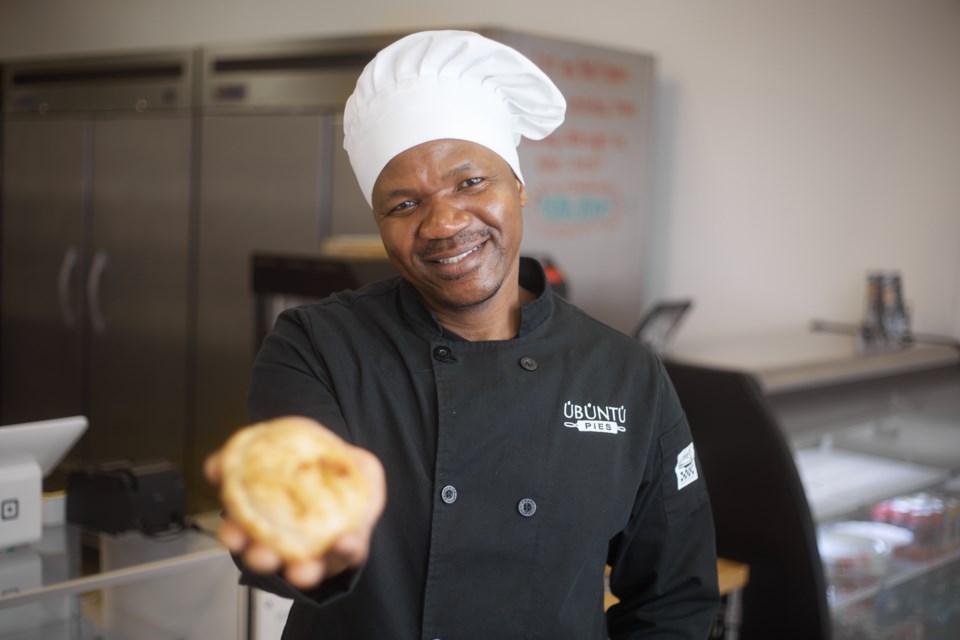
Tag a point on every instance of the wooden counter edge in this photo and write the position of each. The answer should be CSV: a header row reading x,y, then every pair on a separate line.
x,y
730,575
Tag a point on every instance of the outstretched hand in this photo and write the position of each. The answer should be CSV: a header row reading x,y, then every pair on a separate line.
x,y
348,551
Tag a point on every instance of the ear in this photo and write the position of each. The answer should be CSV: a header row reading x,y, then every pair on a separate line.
x,y
522,190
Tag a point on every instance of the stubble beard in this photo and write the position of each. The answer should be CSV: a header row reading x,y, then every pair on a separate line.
x,y
474,298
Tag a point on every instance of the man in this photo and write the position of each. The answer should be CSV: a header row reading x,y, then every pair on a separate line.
x,y
524,445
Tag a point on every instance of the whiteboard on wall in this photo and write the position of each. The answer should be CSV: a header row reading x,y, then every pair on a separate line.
x,y
588,184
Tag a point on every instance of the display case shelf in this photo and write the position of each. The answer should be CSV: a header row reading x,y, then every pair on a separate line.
x,y
901,573
838,482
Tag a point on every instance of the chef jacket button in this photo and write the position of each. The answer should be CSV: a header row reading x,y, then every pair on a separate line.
x,y
449,494
443,354
528,363
527,507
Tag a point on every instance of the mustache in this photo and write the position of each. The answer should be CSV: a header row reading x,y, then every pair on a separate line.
x,y
463,238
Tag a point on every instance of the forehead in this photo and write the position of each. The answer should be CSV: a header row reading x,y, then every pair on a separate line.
x,y
437,160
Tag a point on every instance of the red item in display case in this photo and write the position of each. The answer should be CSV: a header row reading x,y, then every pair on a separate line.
x,y
952,514
926,516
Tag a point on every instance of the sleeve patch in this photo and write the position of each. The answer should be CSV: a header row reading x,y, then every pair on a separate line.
x,y
686,468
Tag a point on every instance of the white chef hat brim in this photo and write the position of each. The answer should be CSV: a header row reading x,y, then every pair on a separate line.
x,y
446,85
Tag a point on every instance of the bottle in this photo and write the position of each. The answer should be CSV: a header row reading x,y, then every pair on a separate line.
x,y
896,325
872,327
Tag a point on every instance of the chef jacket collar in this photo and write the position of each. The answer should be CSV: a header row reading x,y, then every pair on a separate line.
x,y
532,315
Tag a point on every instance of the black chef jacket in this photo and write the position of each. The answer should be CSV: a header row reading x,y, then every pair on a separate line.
x,y
515,471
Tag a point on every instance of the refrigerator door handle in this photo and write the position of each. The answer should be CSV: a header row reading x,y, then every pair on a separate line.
x,y
67,266
97,267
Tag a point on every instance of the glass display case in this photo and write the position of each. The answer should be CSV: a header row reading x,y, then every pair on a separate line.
x,y
836,477
78,585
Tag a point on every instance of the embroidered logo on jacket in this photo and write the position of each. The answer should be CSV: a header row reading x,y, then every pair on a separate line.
x,y
595,418
686,467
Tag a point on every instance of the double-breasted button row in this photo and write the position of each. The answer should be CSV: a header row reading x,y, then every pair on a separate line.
x,y
527,507
445,354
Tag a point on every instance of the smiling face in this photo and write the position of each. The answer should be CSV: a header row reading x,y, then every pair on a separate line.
x,y
449,213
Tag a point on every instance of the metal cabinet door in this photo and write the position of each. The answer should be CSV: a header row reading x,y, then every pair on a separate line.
x,y
43,221
137,287
262,190
349,212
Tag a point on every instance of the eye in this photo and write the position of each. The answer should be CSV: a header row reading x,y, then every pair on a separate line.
x,y
470,182
404,207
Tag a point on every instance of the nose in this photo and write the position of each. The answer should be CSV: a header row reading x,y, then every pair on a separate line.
x,y
443,219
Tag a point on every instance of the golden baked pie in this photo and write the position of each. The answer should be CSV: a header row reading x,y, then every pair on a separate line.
x,y
293,486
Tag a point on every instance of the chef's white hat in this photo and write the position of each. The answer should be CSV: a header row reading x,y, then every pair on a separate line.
x,y
446,84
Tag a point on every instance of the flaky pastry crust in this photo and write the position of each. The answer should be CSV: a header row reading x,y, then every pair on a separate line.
x,y
293,486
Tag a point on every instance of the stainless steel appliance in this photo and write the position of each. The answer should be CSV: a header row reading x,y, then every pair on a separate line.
x,y
97,165
283,281
274,179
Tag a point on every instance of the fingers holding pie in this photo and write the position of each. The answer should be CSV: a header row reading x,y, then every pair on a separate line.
x,y
298,496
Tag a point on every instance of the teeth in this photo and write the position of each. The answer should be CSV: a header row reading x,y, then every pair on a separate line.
x,y
456,259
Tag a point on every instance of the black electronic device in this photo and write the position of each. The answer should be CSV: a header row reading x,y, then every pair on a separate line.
x,y
658,325
114,497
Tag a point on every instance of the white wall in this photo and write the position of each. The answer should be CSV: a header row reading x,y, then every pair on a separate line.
x,y
800,143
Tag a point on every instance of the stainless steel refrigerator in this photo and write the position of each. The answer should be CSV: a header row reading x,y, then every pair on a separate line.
x,y
97,165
